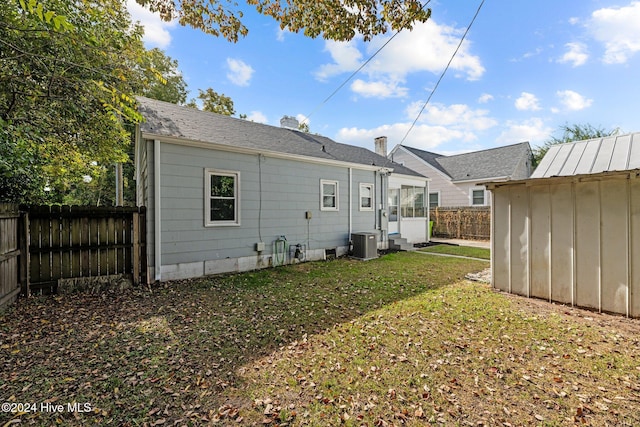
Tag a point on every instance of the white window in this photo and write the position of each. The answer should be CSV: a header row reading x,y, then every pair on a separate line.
x,y
328,195
393,200
412,202
477,197
221,201
366,197
434,199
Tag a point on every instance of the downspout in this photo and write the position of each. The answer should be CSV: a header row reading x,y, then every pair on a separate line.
x,y
350,202
156,210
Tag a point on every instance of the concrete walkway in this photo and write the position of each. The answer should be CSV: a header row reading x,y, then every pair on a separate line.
x,y
472,243
453,256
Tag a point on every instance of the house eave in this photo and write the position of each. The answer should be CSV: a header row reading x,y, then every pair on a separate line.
x,y
273,154
481,181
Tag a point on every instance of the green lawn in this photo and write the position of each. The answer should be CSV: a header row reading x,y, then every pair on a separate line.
x,y
459,250
400,340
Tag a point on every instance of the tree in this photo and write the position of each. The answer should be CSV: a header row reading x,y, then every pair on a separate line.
x,y
161,78
214,102
333,19
67,77
570,133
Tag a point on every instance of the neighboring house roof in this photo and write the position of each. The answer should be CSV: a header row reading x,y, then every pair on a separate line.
x,y
174,121
499,162
607,154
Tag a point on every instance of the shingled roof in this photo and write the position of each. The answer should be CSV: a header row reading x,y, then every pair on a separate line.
x,y
165,119
496,162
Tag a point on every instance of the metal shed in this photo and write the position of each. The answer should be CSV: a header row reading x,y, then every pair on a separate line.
x,y
571,233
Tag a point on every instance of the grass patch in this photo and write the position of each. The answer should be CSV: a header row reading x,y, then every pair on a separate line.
x,y
468,251
396,340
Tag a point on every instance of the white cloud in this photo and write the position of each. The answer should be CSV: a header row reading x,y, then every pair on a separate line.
x,y
573,101
618,30
456,116
428,47
346,57
484,98
438,124
527,102
239,72
533,130
303,119
258,117
156,31
424,137
379,89
576,54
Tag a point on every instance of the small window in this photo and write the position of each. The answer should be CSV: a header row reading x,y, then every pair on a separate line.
x,y
477,197
328,195
393,200
434,200
221,197
366,197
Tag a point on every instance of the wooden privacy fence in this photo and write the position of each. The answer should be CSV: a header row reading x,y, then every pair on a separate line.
x,y
466,222
10,252
67,242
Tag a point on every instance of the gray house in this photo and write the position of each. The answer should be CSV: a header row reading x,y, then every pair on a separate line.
x,y
457,180
225,194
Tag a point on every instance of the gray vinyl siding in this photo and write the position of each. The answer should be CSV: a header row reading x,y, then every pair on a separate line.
x,y
289,189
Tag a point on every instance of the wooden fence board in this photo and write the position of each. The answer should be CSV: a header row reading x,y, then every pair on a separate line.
x,y
10,253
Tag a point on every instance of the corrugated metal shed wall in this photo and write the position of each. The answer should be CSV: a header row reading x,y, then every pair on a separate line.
x,y
573,240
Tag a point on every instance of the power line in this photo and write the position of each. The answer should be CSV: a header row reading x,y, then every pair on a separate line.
x,y
364,64
443,72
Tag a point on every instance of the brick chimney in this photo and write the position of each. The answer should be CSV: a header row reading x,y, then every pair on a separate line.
x,y
381,145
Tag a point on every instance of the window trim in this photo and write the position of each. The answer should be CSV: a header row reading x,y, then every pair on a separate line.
x,y
208,172
371,196
336,195
429,199
484,196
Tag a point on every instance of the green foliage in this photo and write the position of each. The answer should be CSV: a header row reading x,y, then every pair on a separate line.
x,y
333,19
214,102
571,133
161,78
68,72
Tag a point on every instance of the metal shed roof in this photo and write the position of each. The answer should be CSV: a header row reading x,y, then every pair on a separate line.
x,y
607,154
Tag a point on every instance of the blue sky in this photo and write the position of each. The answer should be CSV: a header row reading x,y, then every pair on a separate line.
x,y
525,69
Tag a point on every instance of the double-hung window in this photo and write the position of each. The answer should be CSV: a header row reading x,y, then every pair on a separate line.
x,y
328,195
366,197
434,199
477,197
221,202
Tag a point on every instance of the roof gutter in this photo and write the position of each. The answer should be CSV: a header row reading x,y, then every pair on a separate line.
x,y
482,180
